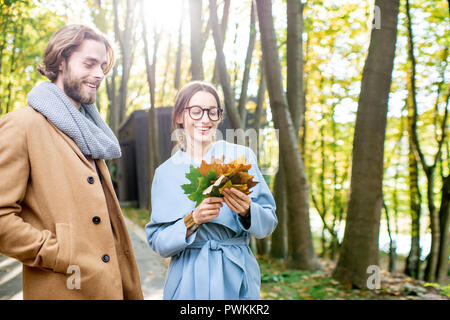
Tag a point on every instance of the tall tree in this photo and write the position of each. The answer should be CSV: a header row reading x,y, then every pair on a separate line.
x,y
301,250
153,143
413,262
179,50
247,64
295,100
223,26
125,35
444,224
294,57
360,244
236,114
429,169
198,39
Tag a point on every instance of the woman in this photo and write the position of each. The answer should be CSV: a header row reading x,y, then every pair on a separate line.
x,y
208,245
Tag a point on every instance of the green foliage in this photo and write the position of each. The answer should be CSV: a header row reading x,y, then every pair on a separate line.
x,y
139,216
198,184
281,283
193,176
25,29
444,289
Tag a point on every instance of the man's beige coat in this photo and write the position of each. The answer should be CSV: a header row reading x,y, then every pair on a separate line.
x,y
58,216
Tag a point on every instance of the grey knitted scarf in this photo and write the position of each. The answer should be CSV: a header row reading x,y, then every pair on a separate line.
x,y
85,126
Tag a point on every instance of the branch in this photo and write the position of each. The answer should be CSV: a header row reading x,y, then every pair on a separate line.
x,y
248,62
223,73
443,130
322,216
415,140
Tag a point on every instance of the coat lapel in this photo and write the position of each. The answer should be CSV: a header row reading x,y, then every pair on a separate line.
x,y
72,145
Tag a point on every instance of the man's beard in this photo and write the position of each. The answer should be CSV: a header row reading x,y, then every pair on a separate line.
x,y
73,88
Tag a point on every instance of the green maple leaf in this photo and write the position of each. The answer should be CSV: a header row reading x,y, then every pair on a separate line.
x,y
203,183
193,176
198,184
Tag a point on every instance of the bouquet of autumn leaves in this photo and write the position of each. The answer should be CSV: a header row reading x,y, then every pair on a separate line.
x,y
210,179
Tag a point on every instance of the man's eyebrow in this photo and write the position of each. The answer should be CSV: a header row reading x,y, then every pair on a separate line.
x,y
92,59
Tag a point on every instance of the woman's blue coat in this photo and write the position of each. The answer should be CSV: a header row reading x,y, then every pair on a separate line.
x,y
215,262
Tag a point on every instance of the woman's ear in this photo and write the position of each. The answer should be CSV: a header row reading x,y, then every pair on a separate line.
x,y
180,120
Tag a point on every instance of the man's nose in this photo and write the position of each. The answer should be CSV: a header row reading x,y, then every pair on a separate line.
x,y
98,73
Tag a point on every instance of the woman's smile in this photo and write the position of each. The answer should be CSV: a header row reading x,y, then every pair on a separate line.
x,y
204,130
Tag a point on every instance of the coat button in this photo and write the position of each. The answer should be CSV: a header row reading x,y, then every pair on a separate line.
x,y
105,258
91,180
96,220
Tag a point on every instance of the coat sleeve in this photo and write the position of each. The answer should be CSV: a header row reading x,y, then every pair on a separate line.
x,y
166,237
263,219
19,239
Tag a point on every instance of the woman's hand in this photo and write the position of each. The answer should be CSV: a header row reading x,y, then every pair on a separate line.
x,y
238,201
207,210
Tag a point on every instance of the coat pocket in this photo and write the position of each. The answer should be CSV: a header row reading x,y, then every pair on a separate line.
x,y
63,256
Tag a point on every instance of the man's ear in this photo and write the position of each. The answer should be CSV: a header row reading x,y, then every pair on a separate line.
x,y
62,65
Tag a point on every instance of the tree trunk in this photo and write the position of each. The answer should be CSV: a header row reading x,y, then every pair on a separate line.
x,y
195,8
442,267
304,125
301,250
230,107
223,29
260,99
359,248
413,262
392,244
336,203
248,61
433,256
99,14
12,65
166,72
294,57
153,145
432,259
323,193
256,126
126,41
179,50
113,108
279,247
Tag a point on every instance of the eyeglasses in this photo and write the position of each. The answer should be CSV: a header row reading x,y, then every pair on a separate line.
x,y
196,113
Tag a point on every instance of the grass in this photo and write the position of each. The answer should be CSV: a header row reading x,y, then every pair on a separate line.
x,y
139,216
278,282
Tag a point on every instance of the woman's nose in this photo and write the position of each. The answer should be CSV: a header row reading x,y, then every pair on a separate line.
x,y
205,116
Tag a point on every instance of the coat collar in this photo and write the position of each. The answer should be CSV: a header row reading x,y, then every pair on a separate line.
x,y
100,163
73,146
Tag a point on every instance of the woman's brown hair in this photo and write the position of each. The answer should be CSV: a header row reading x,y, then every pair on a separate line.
x,y
64,42
181,102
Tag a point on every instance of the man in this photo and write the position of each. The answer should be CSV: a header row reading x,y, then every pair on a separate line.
x,y
59,214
